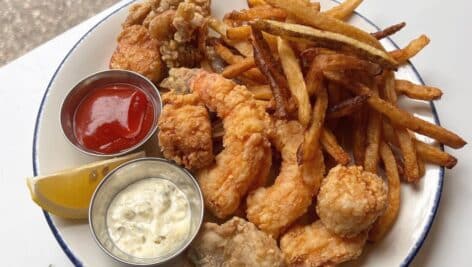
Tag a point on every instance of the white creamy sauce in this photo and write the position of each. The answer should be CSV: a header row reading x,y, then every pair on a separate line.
x,y
149,218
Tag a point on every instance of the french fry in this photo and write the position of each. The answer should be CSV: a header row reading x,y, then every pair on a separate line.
x,y
327,39
243,47
421,167
434,155
425,151
397,116
239,68
404,138
240,33
384,223
420,92
331,145
359,136
261,92
374,131
272,71
346,107
305,13
339,62
296,83
314,79
227,55
255,3
414,47
388,31
258,12
309,155
344,10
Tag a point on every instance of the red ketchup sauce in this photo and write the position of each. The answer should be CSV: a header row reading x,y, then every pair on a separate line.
x,y
113,118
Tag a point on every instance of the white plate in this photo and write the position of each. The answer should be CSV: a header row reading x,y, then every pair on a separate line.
x,y
51,151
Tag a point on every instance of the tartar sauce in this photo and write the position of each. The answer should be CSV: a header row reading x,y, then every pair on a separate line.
x,y
149,218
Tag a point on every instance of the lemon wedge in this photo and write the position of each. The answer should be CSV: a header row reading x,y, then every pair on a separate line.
x,y
68,193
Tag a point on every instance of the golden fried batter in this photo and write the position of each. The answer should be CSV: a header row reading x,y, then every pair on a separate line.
x,y
138,52
350,200
313,246
234,243
274,208
245,159
185,131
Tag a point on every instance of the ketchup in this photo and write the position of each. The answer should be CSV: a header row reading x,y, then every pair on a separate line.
x,y
113,118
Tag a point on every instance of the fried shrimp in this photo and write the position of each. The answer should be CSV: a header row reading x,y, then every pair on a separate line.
x,y
138,52
350,200
185,131
274,208
313,245
235,243
246,157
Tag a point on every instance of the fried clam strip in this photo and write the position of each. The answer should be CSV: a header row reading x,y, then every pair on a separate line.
x,y
327,39
312,17
273,72
344,10
396,115
296,83
346,107
425,151
239,33
245,159
260,12
276,207
385,222
420,92
239,68
255,3
414,47
388,31
331,145
405,140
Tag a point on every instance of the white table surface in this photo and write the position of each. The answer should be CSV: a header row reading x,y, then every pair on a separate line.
x,y
27,241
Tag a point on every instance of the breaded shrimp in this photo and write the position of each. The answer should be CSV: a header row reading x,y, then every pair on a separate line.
x,y
185,131
138,52
313,245
234,243
274,208
350,200
246,157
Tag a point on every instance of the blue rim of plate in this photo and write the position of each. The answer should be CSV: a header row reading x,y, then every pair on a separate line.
x,y
76,262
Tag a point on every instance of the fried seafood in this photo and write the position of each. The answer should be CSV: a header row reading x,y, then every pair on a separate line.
x,y
138,52
313,245
350,200
234,243
185,131
274,208
245,159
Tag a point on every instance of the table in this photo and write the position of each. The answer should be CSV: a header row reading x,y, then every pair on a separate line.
x,y
27,240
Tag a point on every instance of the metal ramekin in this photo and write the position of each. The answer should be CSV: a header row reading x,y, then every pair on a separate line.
x,y
100,79
123,176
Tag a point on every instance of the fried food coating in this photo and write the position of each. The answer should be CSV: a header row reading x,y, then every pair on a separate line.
x,y
350,200
274,208
313,245
138,52
234,243
245,159
185,131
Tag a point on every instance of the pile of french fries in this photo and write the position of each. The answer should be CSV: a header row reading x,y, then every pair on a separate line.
x,y
338,81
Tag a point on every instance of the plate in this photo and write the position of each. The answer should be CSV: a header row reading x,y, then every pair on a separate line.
x,y
52,152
